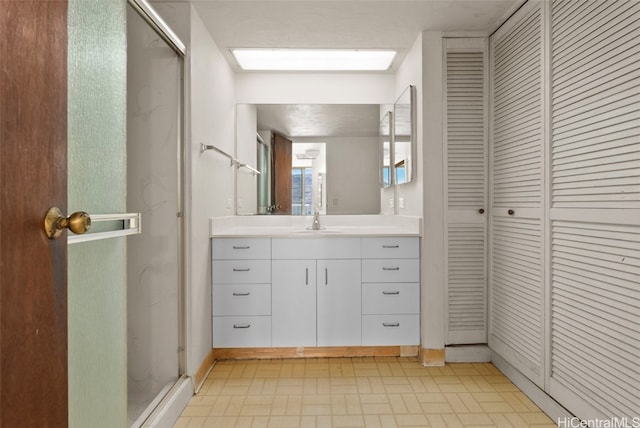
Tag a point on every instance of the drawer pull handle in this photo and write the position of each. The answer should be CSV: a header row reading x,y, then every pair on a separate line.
x,y
306,276
238,247
391,324
241,269
391,268
241,294
391,246
390,292
326,276
241,325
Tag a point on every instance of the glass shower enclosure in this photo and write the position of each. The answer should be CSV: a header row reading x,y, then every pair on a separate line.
x,y
154,189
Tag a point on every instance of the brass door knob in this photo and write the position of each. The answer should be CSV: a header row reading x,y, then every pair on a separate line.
x,y
55,222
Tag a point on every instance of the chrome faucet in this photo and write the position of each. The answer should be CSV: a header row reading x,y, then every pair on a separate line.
x,y
316,221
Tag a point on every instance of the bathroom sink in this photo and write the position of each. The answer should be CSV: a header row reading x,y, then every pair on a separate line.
x,y
321,231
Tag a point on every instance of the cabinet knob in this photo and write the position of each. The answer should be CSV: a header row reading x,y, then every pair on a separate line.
x,y
511,212
481,210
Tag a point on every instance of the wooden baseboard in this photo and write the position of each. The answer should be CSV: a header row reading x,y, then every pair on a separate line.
x,y
313,352
432,357
203,371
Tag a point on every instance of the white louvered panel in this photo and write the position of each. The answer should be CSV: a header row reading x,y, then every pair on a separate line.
x,y
517,113
516,327
517,294
595,315
466,189
466,292
596,105
466,130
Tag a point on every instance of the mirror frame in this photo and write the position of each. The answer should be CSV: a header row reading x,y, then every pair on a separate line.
x,y
411,89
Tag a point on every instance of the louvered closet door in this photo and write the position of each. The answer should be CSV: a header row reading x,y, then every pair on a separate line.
x,y
595,211
516,143
466,83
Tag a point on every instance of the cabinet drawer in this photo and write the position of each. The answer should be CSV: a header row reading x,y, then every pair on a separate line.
x,y
387,330
390,298
390,248
241,271
241,248
242,299
242,332
316,248
392,270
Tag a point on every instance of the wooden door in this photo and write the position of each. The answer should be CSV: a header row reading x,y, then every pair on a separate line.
x,y
33,177
281,180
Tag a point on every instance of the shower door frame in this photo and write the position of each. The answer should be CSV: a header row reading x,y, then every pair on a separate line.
x,y
149,15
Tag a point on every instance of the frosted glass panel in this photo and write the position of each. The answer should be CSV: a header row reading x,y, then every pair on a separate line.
x,y
97,184
153,136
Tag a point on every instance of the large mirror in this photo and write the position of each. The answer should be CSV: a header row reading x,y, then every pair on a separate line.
x,y
311,157
404,134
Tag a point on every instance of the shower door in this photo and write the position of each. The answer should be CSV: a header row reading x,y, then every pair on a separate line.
x,y
154,188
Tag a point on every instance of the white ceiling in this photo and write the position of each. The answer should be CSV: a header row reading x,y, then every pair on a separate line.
x,y
363,24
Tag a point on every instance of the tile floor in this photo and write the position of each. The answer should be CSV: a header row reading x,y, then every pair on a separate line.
x,y
358,392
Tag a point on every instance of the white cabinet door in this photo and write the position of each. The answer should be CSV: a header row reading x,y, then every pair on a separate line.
x,y
466,83
293,294
339,297
516,268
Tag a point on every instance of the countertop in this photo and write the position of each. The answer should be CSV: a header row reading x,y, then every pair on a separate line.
x,y
299,226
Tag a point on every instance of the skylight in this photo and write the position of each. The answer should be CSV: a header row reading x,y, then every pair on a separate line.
x,y
314,59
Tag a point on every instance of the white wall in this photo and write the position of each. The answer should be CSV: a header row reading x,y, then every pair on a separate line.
x,y
210,181
313,88
432,251
213,110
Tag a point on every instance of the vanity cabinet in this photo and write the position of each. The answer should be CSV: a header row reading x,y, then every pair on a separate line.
x,y
241,292
316,291
390,291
